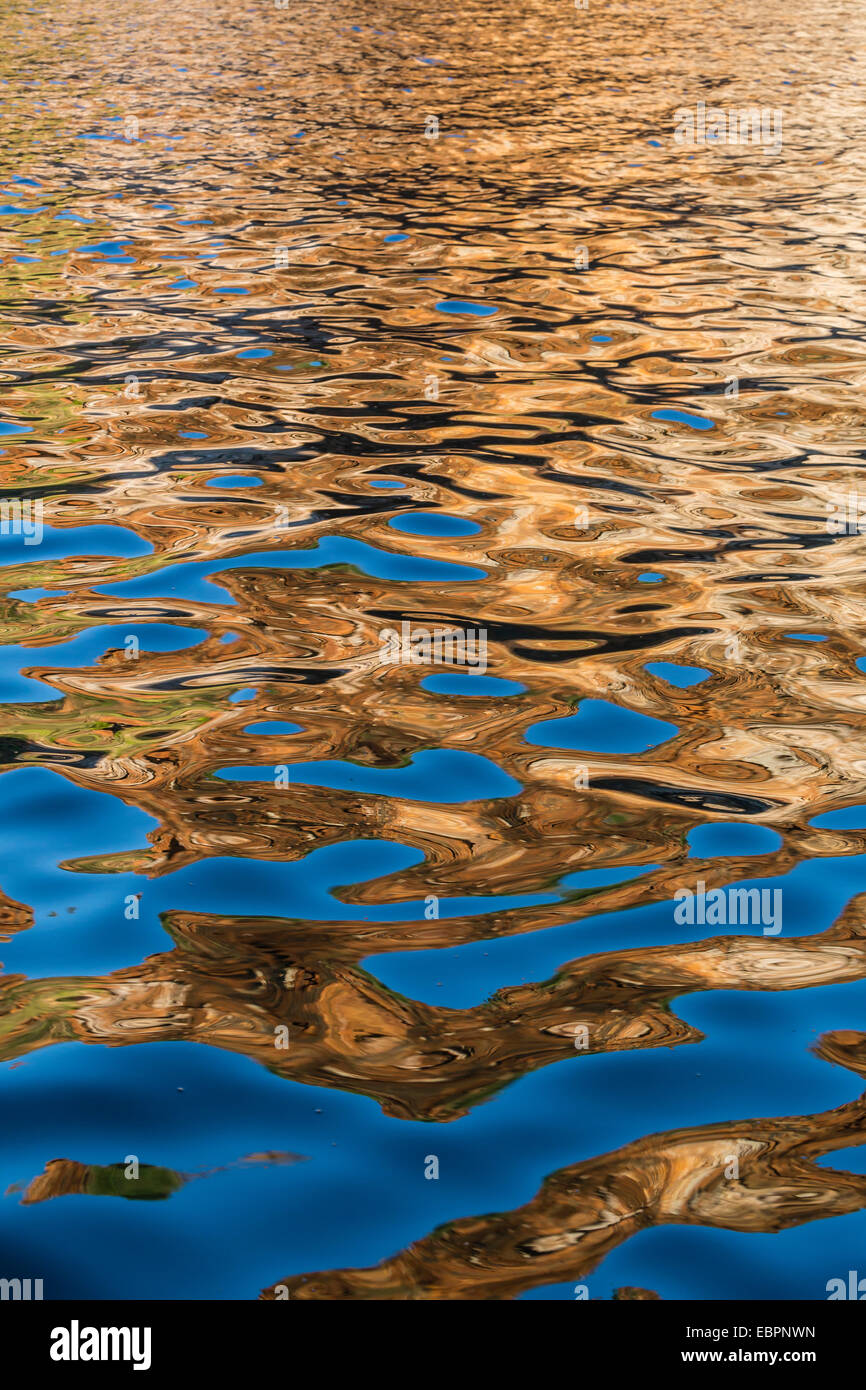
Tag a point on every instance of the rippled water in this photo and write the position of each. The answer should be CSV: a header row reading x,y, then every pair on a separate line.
x,y
377,978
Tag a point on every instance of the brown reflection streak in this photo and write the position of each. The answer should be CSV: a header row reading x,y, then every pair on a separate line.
x,y
749,1175
300,147
64,1177
235,985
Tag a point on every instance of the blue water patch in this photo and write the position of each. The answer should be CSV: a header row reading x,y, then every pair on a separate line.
x,y
180,1243
445,776
581,880
275,727
812,901
465,306
385,483
190,580
85,650
694,1085
651,577
79,541
249,692
682,417
462,977
96,935
680,676
33,595
732,839
397,236
61,821
601,727
183,285
256,352
433,524
601,338
191,434
8,210
6,427
848,818
855,1161
235,480
111,250
479,686
806,636
695,1264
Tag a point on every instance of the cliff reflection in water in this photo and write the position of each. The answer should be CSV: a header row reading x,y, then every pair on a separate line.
x,y
236,986
583,1212
283,374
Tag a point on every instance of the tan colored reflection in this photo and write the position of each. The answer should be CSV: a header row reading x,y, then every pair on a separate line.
x,y
256,151
64,1177
755,1176
281,998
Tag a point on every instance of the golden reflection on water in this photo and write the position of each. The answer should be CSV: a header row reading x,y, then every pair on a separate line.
x,y
245,168
583,1212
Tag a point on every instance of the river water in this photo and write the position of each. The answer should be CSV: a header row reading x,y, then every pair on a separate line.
x,y
434,681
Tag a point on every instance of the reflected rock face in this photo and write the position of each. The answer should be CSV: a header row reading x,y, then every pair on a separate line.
x,y
134,1181
431,593
64,1177
753,1176
308,1018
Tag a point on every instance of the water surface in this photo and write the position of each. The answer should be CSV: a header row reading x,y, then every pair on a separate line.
x,y
331,977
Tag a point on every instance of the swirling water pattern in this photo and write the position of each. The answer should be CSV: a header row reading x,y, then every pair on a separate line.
x,y
320,321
